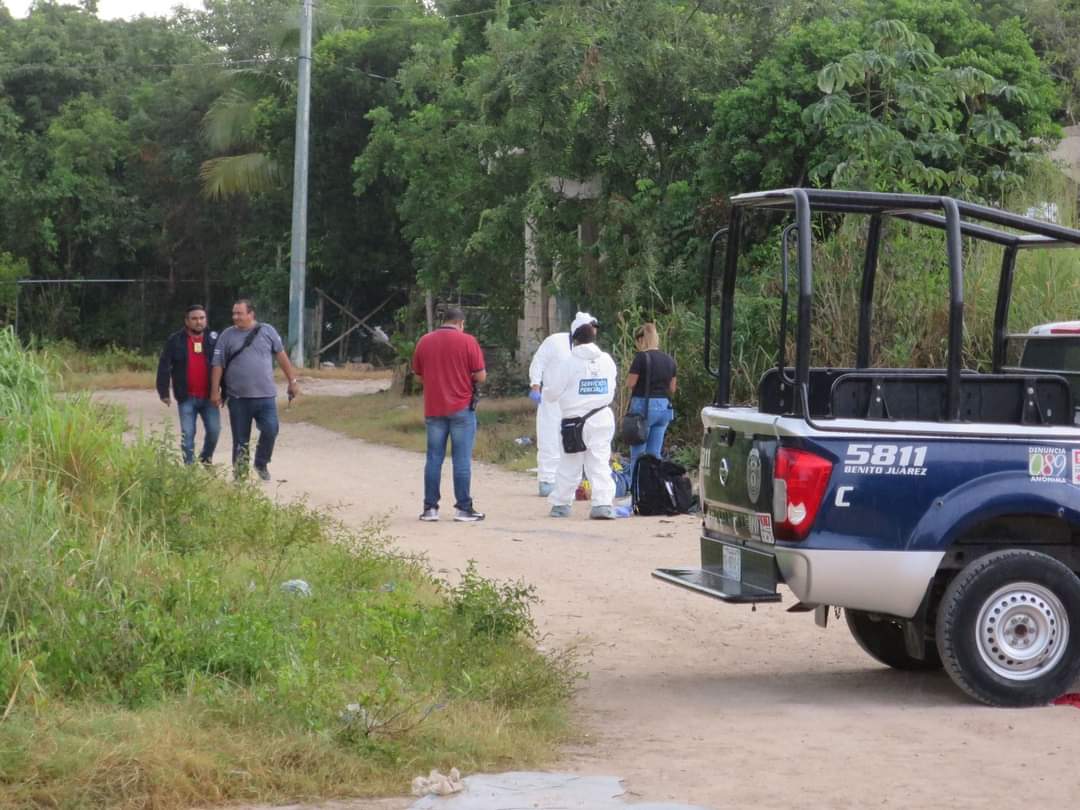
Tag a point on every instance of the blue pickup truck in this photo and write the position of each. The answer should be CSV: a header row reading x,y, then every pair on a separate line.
x,y
940,508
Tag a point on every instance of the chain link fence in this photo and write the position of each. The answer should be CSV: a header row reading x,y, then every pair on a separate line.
x,y
134,314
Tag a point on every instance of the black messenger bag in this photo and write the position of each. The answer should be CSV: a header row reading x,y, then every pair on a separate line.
x,y
635,426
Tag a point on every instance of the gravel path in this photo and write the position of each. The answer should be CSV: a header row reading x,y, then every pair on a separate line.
x,y
687,699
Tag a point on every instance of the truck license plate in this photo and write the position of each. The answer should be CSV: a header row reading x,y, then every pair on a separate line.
x,y
732,563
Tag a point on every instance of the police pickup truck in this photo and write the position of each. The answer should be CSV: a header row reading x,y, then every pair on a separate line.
x,y
939,507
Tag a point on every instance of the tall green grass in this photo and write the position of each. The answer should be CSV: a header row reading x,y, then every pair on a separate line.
x,y
109,360
149,652
911,304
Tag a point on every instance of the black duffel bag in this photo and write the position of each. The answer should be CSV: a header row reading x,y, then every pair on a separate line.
x,y
660,487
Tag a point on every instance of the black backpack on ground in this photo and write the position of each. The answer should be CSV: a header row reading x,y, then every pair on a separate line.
x,y
660,487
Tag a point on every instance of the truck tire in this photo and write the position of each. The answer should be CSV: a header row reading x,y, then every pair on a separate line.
x,y
1008,628
883,640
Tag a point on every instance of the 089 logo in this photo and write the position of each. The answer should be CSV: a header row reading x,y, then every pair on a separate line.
x,y
1048,464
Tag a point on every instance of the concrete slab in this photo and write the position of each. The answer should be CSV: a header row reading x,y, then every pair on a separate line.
x,y
540,791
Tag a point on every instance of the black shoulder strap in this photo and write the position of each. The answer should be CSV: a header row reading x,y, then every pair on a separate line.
x,y
648,383
585,418
247,342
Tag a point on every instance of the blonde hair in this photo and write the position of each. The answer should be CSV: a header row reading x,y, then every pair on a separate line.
x,y
646,337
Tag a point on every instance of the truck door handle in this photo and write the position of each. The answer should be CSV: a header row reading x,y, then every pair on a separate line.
x,y
728,433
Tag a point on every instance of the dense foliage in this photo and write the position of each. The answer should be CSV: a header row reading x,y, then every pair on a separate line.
x,y
161,148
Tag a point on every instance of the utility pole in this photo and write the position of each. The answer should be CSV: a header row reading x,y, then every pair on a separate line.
x,y
298,255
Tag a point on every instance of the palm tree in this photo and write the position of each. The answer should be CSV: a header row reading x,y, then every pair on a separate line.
x,y
229,124
228,127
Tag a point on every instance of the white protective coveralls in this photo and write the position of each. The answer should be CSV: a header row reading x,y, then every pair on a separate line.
x,y
549,354
580,383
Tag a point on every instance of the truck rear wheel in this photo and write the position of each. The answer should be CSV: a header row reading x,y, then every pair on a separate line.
x,y
1008,628
882,638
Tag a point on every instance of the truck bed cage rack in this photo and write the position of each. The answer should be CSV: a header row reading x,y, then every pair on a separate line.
x,y
956,218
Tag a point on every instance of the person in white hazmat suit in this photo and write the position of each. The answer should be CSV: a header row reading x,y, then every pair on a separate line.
x,y
550,353
583,384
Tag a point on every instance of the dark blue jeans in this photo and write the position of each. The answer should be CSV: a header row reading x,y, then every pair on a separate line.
x,y
191,408
460,428
261,410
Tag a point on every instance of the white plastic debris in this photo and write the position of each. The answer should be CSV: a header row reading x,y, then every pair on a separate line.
x,y
296,586
437,784
541,791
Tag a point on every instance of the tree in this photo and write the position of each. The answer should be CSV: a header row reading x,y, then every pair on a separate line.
x,y
761,139
758,138
896,117
618,91
1055,25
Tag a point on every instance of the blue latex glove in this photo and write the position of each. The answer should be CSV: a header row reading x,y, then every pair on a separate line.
x,y
535,396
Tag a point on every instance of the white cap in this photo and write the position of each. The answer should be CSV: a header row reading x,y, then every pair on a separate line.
x,y
580,320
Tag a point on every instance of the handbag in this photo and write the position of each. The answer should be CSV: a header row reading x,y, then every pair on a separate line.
x,y
573,432
635,426
247,342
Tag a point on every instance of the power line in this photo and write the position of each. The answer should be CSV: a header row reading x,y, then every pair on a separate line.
x,y
360,8
120,65
226,62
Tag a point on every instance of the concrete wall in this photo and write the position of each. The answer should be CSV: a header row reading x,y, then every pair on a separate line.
x,y
539,318
1067,153
542,314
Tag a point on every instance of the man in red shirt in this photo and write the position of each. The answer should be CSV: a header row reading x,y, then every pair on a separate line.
x,y
185,362
450,364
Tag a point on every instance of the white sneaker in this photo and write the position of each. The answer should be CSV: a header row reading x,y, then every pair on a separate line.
x,y
602,513
468,515
545,488
429,515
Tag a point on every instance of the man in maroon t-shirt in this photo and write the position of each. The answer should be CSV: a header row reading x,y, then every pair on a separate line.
x,y
450,364
185,364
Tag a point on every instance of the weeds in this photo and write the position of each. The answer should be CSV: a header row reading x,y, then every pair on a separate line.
x,y
493,610
152,658
389,418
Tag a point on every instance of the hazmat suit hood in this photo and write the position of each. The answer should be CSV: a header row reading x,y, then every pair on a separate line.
x,y
587,351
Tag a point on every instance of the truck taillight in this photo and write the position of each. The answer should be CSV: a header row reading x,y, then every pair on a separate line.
x,y
800,482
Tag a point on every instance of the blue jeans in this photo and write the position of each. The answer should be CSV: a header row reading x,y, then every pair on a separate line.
x,y
263,410
460,428
659,417
191,408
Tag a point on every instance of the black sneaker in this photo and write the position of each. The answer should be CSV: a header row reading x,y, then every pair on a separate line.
x,y
263,473
429,515
469,515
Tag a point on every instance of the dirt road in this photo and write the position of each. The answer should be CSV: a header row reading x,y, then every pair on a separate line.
x,y
690,700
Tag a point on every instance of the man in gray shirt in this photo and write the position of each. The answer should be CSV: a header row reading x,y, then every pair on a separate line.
x,y
248,350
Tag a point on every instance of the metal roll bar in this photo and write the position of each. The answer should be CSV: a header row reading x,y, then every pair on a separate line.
x,y
956,218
